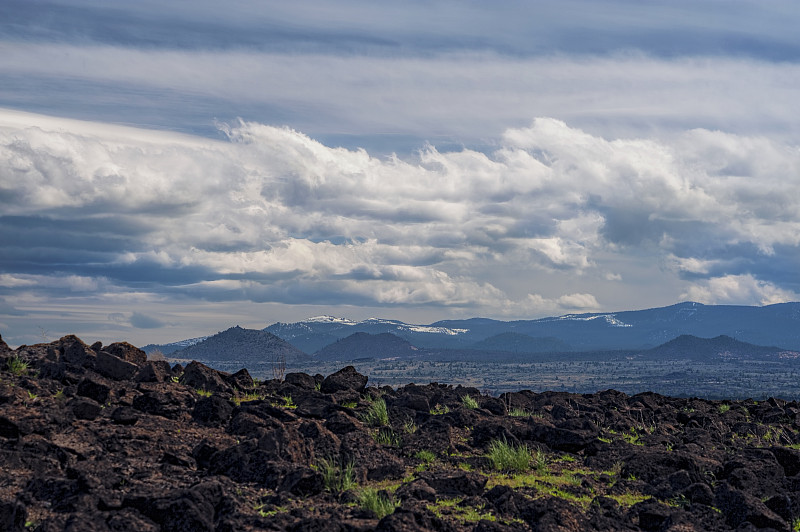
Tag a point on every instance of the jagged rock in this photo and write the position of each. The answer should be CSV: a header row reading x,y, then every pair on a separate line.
x,y
738,507
125,415
240,380
84,408
410,521
459,484
113,367
154,371
12,516
316,407
75,352
301,380
213,410
172,404
653,516
201,377
94,389
9,429
127,352
346,378
700,493
4,349
417,489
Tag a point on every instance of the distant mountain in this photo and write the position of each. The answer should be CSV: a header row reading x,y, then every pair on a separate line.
x,y
521,343
174,346
365,345
777,325
637,329
715,349
769,325
307,335
241,346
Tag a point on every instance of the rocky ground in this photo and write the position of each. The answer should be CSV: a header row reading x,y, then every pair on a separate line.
x,y
98,438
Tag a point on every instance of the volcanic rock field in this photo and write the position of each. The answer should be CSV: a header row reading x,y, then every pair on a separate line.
x,y
99,438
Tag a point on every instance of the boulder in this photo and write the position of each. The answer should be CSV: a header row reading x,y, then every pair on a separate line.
x,y
114,368
301,380
74,352
154,371
94,389
4,346
84,408
213,411
201,377
127,352
344,379
738,507
460,484
240,380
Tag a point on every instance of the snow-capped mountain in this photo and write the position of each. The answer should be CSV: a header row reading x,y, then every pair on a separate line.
x,y
777,325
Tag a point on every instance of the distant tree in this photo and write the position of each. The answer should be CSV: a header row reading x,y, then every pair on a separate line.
x,y
279,365
156,355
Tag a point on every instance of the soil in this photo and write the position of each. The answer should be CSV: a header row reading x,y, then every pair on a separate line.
x,y
98,438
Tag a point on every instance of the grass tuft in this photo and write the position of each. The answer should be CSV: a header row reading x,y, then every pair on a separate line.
x,y
337,477
376,502
376,415
438,410
386,436
469,402
507,457
17,366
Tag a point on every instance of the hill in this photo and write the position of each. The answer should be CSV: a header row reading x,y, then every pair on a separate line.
x,y
246,347
166,349
365,345
713,349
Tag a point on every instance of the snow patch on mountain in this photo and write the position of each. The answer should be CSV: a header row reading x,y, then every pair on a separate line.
x,y
610,318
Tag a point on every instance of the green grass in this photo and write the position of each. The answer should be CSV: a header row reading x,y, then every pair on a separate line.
x,y
17,366
724,408
409,427
337,477
628,498
376,415
350,404
518,412
288,402
451,508
508,458
386,436
469,402
427,457
203,393
379,504
438,410
632,437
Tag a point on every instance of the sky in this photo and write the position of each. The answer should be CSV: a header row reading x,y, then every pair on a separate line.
x,y
171,169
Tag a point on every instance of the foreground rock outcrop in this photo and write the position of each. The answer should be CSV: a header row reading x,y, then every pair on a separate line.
x,y
98,438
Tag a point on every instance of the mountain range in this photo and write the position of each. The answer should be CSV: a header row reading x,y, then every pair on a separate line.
x,y
681,329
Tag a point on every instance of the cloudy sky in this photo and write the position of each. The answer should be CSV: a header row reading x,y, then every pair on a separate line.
x,y
170,169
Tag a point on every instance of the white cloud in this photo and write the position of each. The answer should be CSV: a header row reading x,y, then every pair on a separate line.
x,y
271,215
458,96
740,290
